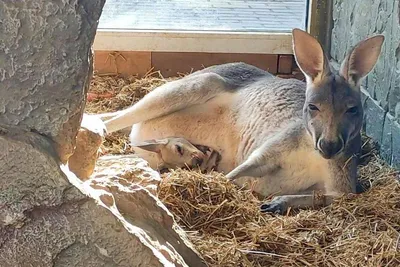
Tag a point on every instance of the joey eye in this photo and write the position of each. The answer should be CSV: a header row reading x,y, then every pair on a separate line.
x,y
313,107
179,149
352,110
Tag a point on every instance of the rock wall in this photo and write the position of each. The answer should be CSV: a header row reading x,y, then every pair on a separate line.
x,y
49,217
353,21
46,47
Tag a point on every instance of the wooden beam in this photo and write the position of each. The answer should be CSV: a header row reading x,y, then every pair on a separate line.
x,y
169,64
320,22
126,63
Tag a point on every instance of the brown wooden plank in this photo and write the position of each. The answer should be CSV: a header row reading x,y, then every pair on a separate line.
x,y
285,64
124,63
169,64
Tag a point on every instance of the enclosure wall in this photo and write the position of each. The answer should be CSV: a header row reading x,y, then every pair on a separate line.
x,y
353,21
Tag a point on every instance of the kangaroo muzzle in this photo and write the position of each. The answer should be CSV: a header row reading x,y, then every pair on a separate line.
x,y
329,149
197,159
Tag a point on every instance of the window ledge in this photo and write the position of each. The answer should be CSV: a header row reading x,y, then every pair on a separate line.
x,y
187,41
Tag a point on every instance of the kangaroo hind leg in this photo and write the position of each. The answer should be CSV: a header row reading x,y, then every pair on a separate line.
x,y
173,96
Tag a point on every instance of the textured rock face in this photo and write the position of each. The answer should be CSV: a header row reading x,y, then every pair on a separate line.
x,y
353,21
47,221
90,137
129,168
49,217
127,184
46,47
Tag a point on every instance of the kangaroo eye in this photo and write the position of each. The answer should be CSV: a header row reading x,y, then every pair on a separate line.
x,y
352,110
313,107
179,149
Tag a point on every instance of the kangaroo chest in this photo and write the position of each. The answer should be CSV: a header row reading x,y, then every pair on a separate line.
x,y
301,170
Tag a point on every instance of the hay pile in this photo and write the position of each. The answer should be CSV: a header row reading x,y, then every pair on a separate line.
x,y
225,225
227,228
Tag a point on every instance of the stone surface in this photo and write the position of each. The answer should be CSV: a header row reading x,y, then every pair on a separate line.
x,y
353,21
88,141
375,118
46,47
48,218
396,145
126,192
390,145
128,168
386,144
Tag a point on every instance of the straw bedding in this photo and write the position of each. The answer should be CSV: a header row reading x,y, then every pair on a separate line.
x,y
224,222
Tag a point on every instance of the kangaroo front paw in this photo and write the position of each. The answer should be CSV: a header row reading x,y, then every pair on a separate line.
x,y
230,176
211,164
277,205
203,149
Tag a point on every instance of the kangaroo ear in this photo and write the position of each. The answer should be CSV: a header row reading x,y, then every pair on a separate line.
x,y
152,145
361,59
309,56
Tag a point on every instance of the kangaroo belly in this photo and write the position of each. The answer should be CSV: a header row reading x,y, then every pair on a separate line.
x,y
210,124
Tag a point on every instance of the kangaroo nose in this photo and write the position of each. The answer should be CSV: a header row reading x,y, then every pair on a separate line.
x,y
329,149
197,161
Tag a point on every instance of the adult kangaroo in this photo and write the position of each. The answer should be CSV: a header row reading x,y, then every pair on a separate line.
x,y
286,137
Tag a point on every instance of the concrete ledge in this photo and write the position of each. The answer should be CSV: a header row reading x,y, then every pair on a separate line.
x,y
205,42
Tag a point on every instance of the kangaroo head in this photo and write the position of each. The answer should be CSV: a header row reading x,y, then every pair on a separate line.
x,y
175,152
333,112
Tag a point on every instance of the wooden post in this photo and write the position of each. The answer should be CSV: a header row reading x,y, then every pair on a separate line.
x,y
320,22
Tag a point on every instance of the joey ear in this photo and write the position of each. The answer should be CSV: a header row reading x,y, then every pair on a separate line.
x,y
152,145
361,59
309,56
